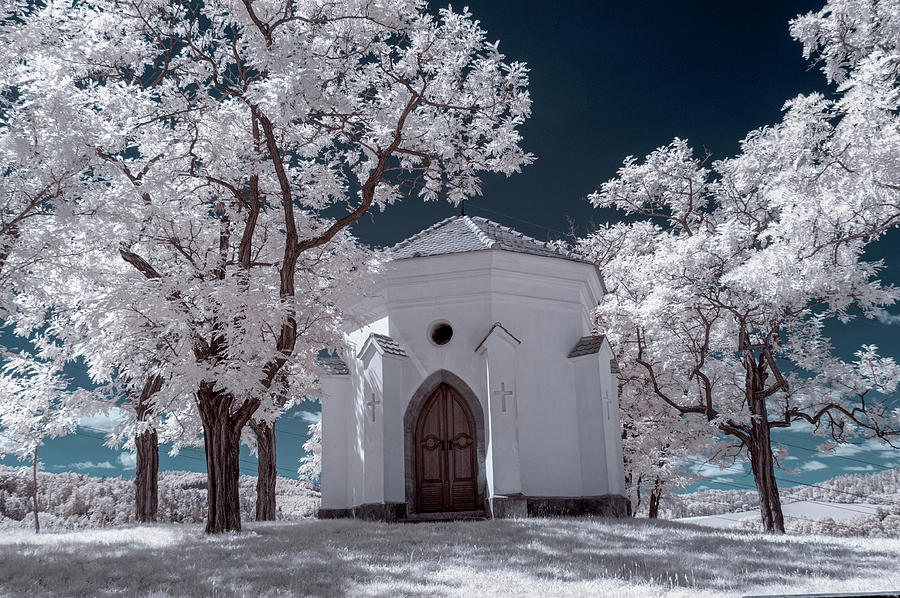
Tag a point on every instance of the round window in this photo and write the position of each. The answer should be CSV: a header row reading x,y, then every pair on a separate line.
x,y
441,333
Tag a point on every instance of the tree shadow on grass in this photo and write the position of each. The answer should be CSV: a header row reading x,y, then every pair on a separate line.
x,y
331,558
665,553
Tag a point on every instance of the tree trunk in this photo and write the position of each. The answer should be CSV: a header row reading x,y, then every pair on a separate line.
x,y
146,477
266,471
146,489
222,436
34,495
637,494
758,440
763,464
654,499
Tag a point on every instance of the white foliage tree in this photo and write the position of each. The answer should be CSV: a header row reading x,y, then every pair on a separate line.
x,y
720,297
35,404
311,463
725,283
657,446
231,145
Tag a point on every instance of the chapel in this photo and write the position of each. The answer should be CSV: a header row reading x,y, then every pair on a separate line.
x,y
473,385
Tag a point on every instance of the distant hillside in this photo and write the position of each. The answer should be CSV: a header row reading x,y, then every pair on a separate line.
x,y
881,488
847,505
71,500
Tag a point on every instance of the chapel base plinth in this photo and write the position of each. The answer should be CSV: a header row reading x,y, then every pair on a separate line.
x,y
509,507
334,513
391,511
610,505
501,507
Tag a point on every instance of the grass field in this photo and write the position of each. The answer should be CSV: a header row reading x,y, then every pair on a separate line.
x,y
535,557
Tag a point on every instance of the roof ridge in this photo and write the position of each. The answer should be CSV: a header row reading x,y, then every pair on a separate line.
x,y
566,252
482,233
423,232
482,236
524,237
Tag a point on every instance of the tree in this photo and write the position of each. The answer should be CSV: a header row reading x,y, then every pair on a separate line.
x,y
657,444
43,209
146,447
41,184
35,403
311,462
720,296
724,286
238,145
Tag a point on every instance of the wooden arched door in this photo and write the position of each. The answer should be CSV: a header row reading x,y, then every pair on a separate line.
x,y
446,464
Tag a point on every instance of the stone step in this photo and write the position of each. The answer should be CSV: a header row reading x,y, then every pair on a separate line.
x,y
447,516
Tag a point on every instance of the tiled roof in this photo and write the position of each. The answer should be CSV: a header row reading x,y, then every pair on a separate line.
x,y
334,366
587,345
460,234
389,345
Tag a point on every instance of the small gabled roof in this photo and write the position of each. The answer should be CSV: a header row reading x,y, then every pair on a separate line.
x,y
587,345
386,344
460,234
334,366
495,326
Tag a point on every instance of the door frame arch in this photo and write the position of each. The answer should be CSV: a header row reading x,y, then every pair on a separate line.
x,y
411,418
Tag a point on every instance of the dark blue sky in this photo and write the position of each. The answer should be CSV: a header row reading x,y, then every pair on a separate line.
x,y
609,80
613,79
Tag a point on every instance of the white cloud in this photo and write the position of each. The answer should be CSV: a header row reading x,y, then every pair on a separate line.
x,y
813,466
724,480
847,450
885,317
82,465
309,416
861,468
710,470
801,426
127,460
103,422
8,445
869,446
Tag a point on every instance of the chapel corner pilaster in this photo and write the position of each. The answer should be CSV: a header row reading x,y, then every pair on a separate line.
x,y
499,348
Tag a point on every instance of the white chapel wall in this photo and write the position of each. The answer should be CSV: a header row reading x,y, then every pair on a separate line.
x,y
545,302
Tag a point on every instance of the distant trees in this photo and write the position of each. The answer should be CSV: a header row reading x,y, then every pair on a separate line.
x,y
71,500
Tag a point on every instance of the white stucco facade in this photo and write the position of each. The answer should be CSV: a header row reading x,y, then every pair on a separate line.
x,y
548,423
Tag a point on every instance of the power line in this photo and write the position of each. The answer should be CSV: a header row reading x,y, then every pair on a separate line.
x,y
787,481
284,472
244,461
803,448
833,505
291,433
534,224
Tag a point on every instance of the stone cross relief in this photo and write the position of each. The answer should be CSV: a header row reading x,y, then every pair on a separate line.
x,y
608,403
373,403
503,393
